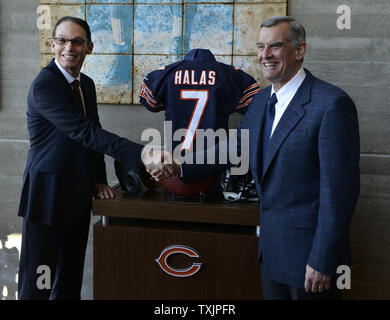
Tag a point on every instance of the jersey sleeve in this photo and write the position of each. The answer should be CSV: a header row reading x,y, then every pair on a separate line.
x,y
152,89
248,87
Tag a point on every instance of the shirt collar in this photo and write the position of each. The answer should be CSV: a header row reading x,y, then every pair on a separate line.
x,y
290,88
66,74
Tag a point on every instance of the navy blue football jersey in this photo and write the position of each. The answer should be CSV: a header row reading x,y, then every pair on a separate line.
x,y
197,93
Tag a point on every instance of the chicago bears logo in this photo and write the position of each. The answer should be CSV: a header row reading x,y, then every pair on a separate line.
x,y
175,272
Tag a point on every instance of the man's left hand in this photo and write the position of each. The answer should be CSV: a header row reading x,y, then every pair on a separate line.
x,y
103,191
316,281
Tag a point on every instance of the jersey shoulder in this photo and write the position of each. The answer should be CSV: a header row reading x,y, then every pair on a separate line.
x,y
152,87
245,84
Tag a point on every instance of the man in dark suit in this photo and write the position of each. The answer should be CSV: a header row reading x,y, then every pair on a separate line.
x,y
65,166
304,157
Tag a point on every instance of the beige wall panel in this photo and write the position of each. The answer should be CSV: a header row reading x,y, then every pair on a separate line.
x,y
56,12
247,21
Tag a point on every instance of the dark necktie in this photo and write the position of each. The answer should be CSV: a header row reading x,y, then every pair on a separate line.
x,y
267,127
76,91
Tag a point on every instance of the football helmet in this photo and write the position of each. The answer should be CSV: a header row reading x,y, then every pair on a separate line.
x,y
238,187
134,181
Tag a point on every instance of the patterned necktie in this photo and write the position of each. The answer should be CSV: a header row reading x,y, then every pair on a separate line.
x,y
76,91
267,127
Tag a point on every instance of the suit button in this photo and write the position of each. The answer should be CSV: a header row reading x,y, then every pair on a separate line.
x,y
265,209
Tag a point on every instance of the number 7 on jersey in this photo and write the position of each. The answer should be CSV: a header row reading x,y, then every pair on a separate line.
x,y
201,97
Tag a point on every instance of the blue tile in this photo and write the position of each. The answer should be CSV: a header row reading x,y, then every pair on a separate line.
x,y
158,29
109,1
110,70
111,28
67,2
158,1
112,75
209,1
208,26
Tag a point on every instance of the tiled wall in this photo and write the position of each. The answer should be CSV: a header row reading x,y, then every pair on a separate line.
x,y
134,37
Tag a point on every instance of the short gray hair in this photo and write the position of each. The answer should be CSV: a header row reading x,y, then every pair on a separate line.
x,y
297,33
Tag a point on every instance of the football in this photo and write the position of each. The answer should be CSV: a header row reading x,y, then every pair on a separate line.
x,y
188,189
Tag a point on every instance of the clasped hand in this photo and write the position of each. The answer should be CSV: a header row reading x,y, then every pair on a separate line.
x,y
159,163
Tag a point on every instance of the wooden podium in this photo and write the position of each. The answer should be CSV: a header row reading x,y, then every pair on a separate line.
x,y
149,247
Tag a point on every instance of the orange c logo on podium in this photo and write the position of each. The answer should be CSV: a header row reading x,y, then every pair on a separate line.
x,y
175,272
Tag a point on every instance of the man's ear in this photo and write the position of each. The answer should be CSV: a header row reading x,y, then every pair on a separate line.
x,y
52,45
90,48
301,51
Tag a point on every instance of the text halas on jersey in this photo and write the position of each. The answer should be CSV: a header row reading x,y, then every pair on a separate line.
x,y
206,77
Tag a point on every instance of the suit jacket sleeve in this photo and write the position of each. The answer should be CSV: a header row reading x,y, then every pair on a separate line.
x,y
99,163
100,167
54,103
339,152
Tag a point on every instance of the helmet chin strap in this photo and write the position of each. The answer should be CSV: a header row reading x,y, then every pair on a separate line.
x,y
238,187
231,196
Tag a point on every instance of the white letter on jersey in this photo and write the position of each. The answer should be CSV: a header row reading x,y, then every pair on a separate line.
x,y
201,97
186,78
211,78
178,77
202,80
193,77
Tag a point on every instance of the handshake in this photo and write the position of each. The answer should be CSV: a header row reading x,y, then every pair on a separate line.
x,y
159,163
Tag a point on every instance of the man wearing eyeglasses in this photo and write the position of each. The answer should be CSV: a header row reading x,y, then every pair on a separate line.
x,y
65,168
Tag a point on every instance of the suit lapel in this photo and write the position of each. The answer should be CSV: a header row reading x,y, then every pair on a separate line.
x,y
292,115
259,103
53,67
84,89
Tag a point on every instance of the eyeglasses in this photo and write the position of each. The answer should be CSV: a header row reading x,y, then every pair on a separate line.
x,y
77,42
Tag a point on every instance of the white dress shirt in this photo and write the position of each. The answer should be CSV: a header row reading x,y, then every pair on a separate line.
x,y
70,79
285,95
